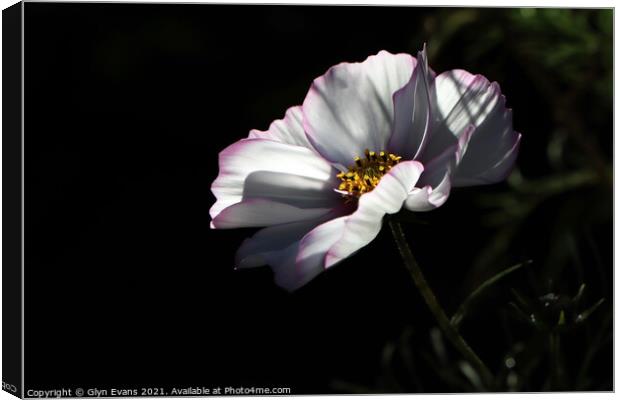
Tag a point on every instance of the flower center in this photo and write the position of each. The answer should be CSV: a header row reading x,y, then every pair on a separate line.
x,y
365,174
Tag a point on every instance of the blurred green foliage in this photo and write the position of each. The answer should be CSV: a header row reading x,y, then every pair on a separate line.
x,y
553,318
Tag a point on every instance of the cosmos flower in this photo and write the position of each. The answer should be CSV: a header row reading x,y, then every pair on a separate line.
x,y
369,139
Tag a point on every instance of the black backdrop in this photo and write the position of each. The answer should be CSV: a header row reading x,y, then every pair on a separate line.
x,y
127,107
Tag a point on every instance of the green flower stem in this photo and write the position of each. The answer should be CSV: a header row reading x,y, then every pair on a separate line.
x,y
431,301
557,373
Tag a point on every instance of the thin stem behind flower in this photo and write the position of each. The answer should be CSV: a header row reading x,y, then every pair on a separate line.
x,y
431,301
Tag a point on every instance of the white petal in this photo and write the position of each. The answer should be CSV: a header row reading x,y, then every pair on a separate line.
x,y
286,275
247,156
280,247
447,161
435,182
263,212
350,108
312,251
458,99
299,191
254,251
412,112
493,174
492,150
293,265
365,223
428,198
464,99
288,130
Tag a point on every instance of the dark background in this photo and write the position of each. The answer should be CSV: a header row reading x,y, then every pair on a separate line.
x,y
127,107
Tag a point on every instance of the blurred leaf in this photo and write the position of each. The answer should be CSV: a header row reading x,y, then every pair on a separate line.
x,y
449,26
465,305
471,375
584,315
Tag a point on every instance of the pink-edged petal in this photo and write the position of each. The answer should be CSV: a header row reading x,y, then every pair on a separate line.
x,y
435,182
364,224
349,109
238,161
412,112
288,130
262,212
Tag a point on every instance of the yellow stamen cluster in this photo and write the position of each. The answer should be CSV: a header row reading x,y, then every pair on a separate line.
x,y
365,174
